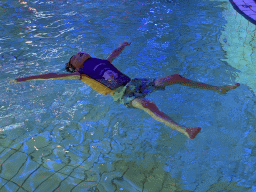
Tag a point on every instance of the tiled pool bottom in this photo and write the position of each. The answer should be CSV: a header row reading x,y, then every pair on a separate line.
x,y
39,164
130,160
246,8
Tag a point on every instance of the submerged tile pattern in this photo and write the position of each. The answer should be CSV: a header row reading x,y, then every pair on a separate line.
x,y
246,8
37,164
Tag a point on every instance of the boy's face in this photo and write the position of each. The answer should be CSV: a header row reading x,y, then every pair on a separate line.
x,y
78,60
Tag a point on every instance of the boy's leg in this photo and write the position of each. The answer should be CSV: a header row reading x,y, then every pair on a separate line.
x,y
178,79
154,112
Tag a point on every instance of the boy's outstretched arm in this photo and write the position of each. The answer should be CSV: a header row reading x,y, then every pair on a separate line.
x,y
48,76
117,52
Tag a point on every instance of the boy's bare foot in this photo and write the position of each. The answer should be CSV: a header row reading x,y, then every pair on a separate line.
x,y
225,88
192,132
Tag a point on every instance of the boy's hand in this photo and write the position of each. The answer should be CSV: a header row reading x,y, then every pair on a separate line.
x,y
125,44
17,80
13,81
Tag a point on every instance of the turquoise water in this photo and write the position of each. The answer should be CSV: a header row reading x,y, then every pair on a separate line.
x,y
62,136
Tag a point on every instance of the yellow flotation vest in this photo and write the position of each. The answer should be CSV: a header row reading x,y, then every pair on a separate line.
x,y
97,86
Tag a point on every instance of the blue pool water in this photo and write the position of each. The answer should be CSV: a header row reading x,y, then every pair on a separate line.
x,y
62,136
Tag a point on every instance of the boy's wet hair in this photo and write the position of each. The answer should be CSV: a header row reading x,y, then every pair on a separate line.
x,y
69,67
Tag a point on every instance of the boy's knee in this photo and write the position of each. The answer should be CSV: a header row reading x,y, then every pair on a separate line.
x,y
141,103
178,76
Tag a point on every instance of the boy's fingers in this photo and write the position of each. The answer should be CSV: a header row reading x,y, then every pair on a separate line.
x,y
126,43
13,81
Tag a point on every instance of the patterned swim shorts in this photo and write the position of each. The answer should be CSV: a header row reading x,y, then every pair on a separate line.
x,y
138,87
